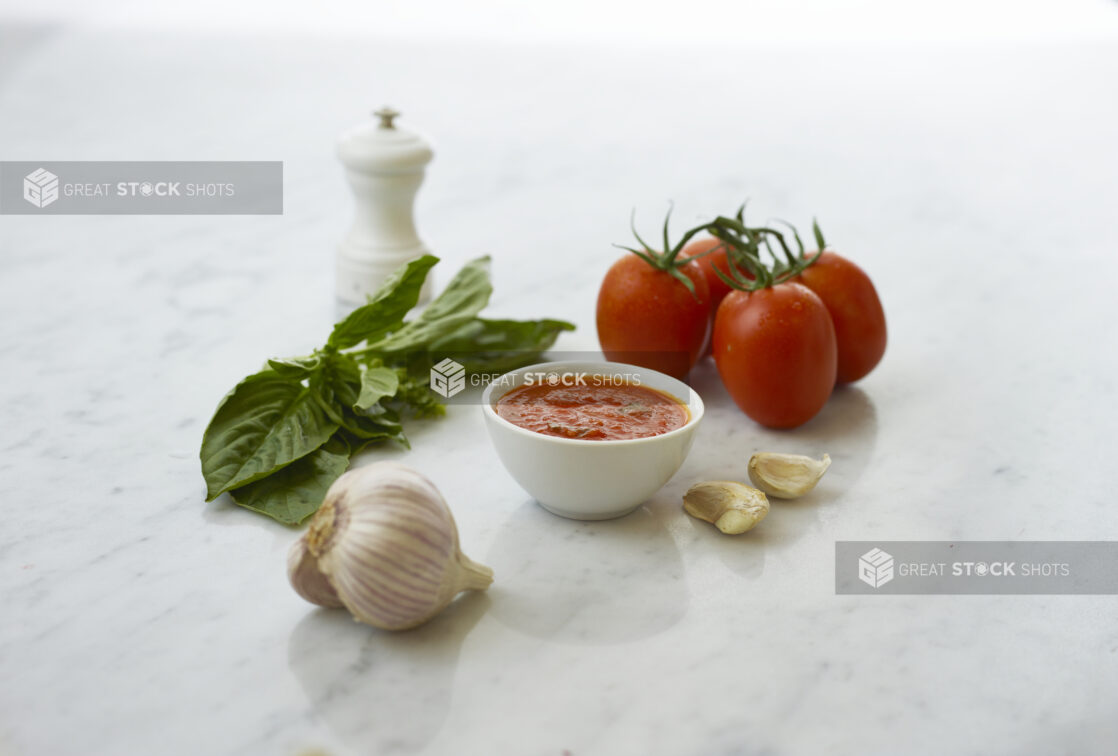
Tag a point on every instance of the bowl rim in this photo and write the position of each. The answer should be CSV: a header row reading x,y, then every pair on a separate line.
x,y
696,408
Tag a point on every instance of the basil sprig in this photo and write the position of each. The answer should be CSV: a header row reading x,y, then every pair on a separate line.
x,y
283,435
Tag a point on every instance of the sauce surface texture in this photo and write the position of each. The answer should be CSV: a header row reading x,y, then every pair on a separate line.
x,y
605,412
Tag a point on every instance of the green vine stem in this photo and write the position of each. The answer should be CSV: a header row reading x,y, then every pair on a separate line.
x,y
667,259
746,243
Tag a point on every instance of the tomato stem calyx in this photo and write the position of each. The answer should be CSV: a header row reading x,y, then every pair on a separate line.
x,y
747,271
666,259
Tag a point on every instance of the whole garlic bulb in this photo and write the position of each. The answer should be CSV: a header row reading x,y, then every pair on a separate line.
x,y
383,545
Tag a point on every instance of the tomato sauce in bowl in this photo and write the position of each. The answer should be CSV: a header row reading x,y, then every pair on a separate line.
x,y
597,411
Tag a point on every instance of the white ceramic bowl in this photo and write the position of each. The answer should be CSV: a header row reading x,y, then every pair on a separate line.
x,y
591,480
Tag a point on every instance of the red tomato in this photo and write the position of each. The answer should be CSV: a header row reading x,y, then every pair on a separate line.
x,y
647,317
716,259
718,288
855,310
776,352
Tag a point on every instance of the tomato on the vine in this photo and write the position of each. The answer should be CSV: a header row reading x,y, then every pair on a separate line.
x,y
776,352
654,309
711,254
852,301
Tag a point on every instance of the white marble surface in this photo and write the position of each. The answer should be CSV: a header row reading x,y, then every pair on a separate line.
x,y
976,182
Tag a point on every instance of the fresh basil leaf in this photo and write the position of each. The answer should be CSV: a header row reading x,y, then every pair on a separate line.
x,y
462,299
339,389
466,295
376,384
296,368
382,413
359,444
340,382
401,438
415,396
386,308
296,492
499,345
263,424
282,436
368,429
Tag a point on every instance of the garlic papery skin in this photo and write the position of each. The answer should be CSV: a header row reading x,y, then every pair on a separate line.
x,y
786,476
733,507
387,543
307,580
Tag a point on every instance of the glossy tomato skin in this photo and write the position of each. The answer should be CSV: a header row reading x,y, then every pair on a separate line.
x,y
776,352
718,288
649,318
855,309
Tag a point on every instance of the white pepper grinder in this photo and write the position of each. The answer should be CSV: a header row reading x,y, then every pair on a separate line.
x,y
384,165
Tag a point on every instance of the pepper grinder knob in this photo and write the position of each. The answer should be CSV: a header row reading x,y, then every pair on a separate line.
x,y
387,115
385,167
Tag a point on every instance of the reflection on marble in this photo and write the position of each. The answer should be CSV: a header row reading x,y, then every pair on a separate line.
x,y
586,582
354,677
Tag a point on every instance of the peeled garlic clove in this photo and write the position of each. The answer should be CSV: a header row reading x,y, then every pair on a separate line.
x,y
307,580
732,507
387,544
786,476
